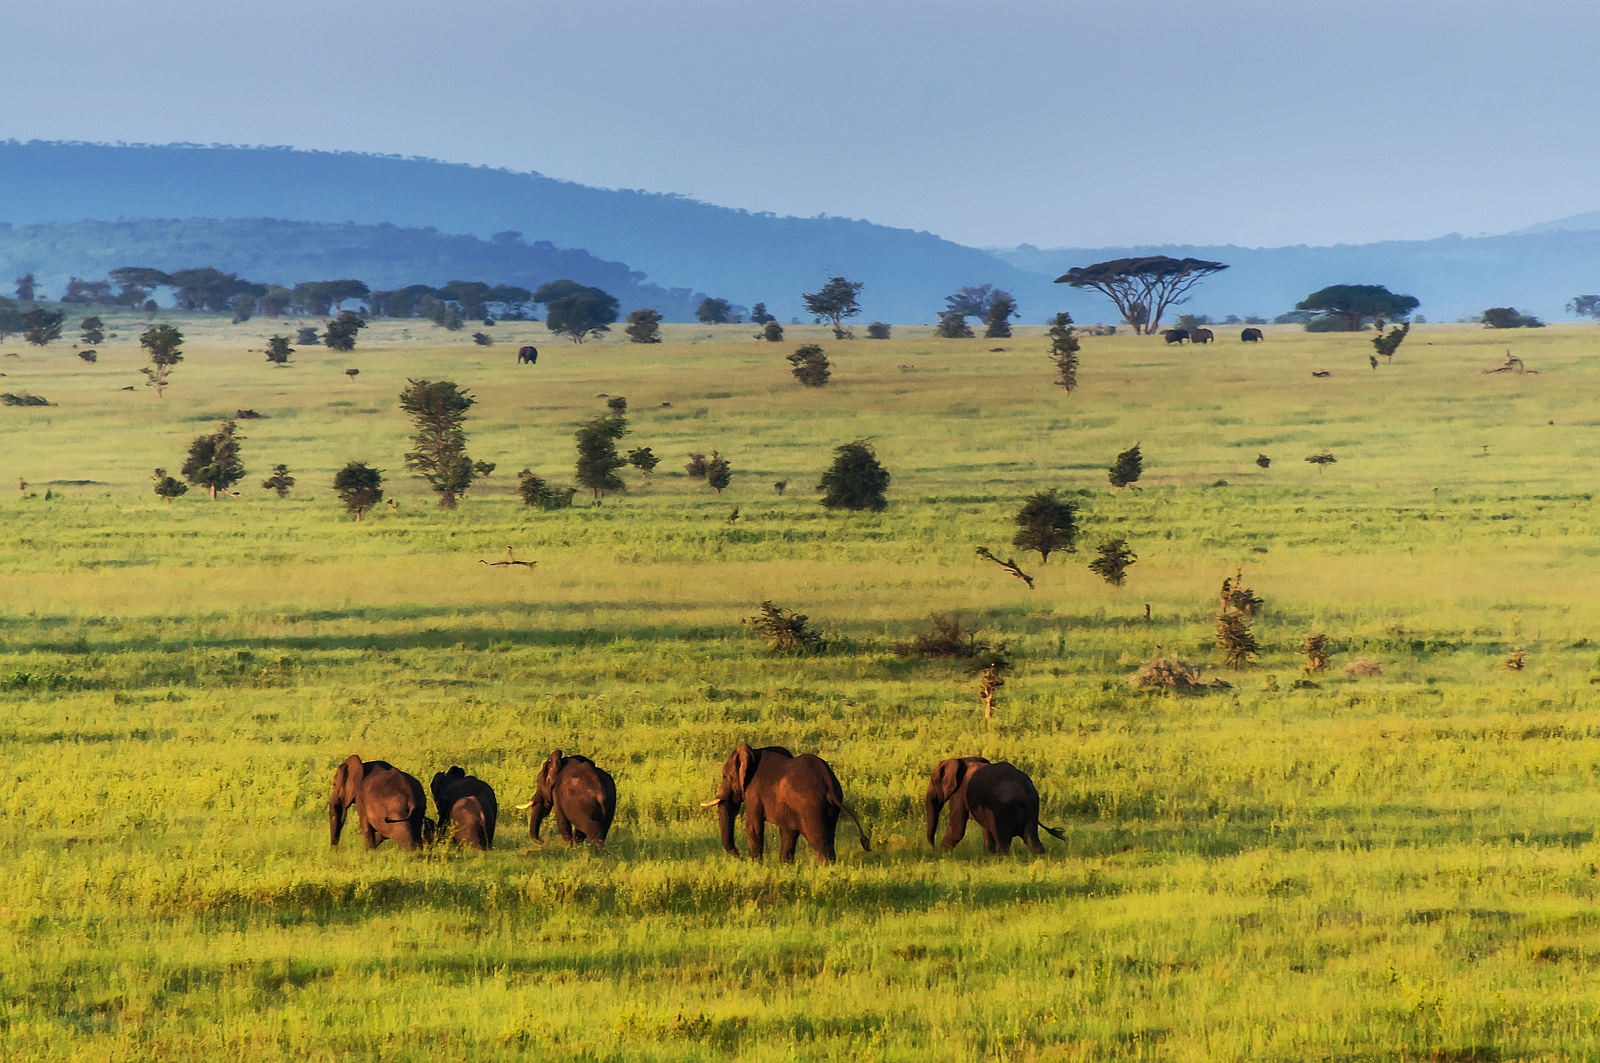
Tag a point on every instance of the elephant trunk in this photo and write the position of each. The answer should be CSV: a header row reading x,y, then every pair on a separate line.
x,y
727,809
935,806
336,811
536,813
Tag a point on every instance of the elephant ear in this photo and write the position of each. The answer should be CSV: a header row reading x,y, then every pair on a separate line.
x,y
948,775
745,760
456,771
349,777
552,766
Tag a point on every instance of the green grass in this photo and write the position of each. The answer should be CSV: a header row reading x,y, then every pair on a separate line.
x,y
1386,868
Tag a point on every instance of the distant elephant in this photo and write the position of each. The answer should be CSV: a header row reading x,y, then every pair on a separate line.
x,y
583,796
389,803
998,796
467,804
1250,335
1201,335
800,795
529,355
1175,335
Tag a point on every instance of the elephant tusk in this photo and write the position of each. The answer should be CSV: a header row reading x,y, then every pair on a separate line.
x,y
525,806
713,801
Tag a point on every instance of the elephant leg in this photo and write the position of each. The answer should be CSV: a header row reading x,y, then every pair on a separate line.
x,y
787,840
822,833
369,834
755,832
563,826
1031,837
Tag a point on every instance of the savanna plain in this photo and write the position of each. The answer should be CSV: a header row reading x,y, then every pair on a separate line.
x,y
1394,866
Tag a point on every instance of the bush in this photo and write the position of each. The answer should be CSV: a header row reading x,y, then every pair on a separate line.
x,y
811,366
718,472
953,326
643,326
359,486
877,331
856,480
278,350
1172,674
483,339
1064,351
1318,651
1111,562
167,487
1127,469
340,335
947,640
696,466
23,398
1046,523
771,331
1508,317
537,494
788,631
643,459
1238,642
280,480
306,336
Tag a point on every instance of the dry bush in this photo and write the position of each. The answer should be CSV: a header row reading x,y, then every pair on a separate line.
x,y
789,631
1173,674
1363,668
947,639
1238,642
1235,595
1518,659
1318,651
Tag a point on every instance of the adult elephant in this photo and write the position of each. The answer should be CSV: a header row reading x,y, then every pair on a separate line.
x,y
388,802
1175,335
583,797
467,807
1250,335
529,354
1201,335
999,797
800,795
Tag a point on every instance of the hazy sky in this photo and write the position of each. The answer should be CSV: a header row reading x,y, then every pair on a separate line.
x,y
991,123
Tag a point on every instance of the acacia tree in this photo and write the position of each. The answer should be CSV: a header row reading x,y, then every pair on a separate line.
x,y
575,310
836,301
1127,469
439,449
214,461
92,330
856,480
280,480
719,473
1585,306
1142,289
598,460
278,350
164,344
1353,305
811,365
340,335
41,326
1046,523
714,312
1002,308
1064,351
644,326
358,486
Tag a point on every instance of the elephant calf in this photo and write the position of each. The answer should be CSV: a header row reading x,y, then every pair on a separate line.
x,y
800,795
583,797
388,802
467,807
998,796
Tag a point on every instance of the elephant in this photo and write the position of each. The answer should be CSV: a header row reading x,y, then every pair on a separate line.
x,y
583,796
798,794
999,796
529,355
1175,335
467,804
1201,335
389,803
1250,335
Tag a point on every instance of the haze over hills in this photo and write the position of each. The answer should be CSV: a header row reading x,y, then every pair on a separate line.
x,y
390,220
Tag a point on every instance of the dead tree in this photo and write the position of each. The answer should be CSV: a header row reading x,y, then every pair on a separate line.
x,y
1009,564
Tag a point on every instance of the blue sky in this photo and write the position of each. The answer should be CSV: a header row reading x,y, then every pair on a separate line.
x,y
991,123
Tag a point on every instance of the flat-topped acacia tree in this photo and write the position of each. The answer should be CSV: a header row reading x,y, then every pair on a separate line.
x,y
1142,289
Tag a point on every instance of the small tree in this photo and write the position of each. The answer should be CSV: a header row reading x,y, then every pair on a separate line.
x,y
1318,653
358,486
280,480
877,331
1046,523
714,312
26,287
168,488
438,410
92,331
788,631
1585,306
953,326
278,350
1322,460
483,339
164,344
538,494
856,480
575,310
617,404
340,335
1238,642
836,301
644,460
1351,306
598,461
1386,345
811,366
483,469
1002,308
644,326
1263,461
306,336
213,460
759,315
1509,317
718,472
1111,561
1235,595
1127,469
772,332
989,683
1064,351
696,465
41,326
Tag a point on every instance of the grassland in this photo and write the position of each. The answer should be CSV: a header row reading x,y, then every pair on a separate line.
x,y
1394,867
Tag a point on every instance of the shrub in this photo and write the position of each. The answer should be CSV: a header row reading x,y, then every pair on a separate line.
x,y
696,466
1111,562
278,350
1127,469
306,336
41,326
359,486
91,330
1002,308
1235,595
718,472
856,480
1046,523
280,480
23,398
1386,345
340,335
811,366
1322,460
877,331
1508,317
1318,651
788,631
643,326
771,331
167,487
483,339
1064,351
946,640
537,494
1238,642
1172,674
1363,668
598,460
643,460
89,356
953,326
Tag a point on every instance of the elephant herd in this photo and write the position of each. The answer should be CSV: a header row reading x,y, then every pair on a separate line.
x,y
799,795
1205,335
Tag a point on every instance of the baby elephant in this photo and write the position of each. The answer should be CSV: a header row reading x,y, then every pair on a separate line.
x,y
467,807
1001,799
388,803
583,796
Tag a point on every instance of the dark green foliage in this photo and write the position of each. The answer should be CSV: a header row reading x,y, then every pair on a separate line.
x,y
1322,460
953,326
1046,523
280,480
1585,306
1387,344
617,404
538,494
643,460
877,331
1263,461
41,326
89,356
789,631
244,307
1509,317
598,461
1351,306
772,332
718,472
278,350
165,346
483,339
575,310
856,480
811,366
644,326
1064,351
970,301
1142,289
1002,308
1128,467
23,398
1111,561
92,330
340,335
483,469
358,486
759,315
213,461
306,336
26,287
10,318
836,302
168,488
438,410
714,312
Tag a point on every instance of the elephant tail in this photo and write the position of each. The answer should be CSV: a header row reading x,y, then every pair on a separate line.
x,y
866,843
1058,835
